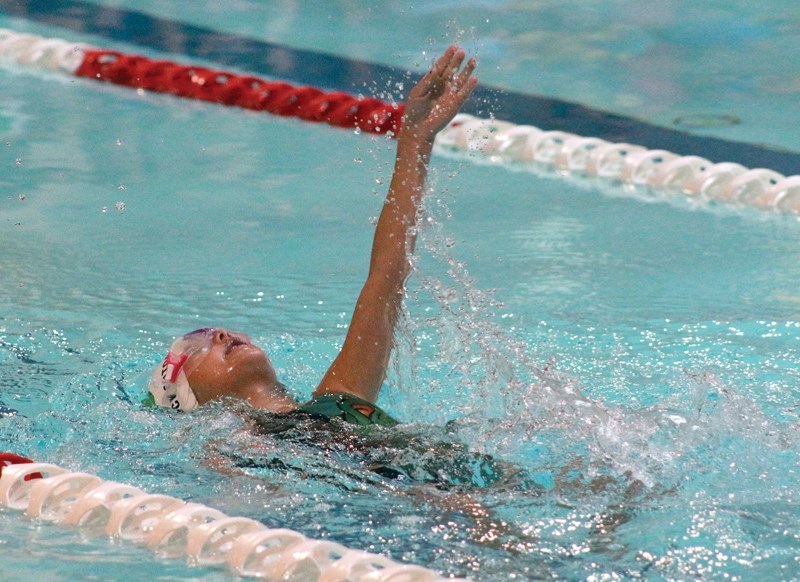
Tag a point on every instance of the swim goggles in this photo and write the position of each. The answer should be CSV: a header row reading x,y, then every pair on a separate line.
x,y
169,384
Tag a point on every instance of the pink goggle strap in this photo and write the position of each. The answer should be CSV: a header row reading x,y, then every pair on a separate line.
x,y
173,365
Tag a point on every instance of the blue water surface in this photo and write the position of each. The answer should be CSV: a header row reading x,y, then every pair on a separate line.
x,y
610,377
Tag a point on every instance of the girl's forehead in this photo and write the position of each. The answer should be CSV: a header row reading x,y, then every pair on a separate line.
x,y
193,341
203,331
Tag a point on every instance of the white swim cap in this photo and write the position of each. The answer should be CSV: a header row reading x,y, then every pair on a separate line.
x,y
169,385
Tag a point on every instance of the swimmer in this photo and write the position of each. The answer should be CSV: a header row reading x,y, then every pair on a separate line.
x,y
213,363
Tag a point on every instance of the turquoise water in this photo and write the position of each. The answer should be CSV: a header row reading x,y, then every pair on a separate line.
x,y
630,364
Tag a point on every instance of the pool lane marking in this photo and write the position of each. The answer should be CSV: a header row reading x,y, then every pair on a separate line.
x,y
339,73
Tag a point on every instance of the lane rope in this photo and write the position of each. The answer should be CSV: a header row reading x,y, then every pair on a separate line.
x,y
628,165
173,528
484,140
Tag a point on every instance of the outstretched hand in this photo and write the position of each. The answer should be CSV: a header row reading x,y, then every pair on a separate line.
x,y
438,96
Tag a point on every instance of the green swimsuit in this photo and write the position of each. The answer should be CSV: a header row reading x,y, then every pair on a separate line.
x,y
349,408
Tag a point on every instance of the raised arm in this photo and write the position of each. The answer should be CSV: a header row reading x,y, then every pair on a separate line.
x,y
360,367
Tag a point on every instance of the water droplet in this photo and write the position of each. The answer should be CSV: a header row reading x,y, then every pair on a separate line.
x,y
104,209
18,161
358,160
357,131
119,142
120,206
22,197
121,187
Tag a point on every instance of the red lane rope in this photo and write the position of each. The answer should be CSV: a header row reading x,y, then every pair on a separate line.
x,y
307,103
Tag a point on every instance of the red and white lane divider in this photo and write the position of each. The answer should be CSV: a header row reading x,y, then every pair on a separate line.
x,y
173,528
487,140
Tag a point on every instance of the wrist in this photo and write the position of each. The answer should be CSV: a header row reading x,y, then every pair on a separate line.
x,y
408,143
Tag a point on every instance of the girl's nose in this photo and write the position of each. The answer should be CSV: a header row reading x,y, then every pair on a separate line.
x,y
221,336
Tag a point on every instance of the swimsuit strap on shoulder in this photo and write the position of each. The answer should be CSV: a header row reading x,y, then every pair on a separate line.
x,y
349,408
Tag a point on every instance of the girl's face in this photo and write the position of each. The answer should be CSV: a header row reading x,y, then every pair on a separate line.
x,y
224,363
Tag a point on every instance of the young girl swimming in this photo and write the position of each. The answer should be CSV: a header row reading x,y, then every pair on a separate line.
x,y
212,363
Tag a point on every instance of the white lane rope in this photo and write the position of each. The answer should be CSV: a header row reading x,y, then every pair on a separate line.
x,y
628,165
173,528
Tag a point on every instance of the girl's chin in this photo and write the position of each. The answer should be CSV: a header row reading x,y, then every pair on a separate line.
x,y
251,361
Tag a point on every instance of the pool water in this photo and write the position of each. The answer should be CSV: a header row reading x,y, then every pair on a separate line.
x,y
593,382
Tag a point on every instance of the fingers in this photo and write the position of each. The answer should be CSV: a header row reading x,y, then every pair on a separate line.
x,y
445,71
464,81
465,91
433,77
465,74
448,65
